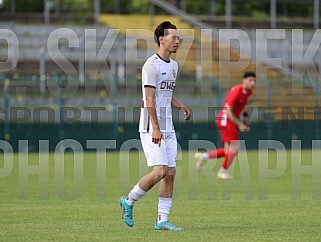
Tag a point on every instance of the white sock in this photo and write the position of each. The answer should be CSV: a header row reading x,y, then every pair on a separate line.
x,y
164,206
205,156
134,195
222,169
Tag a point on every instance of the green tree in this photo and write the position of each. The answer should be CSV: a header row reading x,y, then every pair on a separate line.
x,y
140,6
29,6
125,6
77,6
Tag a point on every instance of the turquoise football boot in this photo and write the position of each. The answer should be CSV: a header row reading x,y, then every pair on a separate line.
x,y
166,226
126,212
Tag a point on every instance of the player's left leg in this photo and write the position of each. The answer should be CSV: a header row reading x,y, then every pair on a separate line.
x,y
166,187
165,195
201,158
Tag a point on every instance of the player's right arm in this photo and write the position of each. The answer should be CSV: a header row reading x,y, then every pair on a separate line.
x,y
231,101
230,115
157,135
149,81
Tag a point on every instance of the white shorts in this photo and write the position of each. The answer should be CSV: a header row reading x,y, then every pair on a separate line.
x,y
165,154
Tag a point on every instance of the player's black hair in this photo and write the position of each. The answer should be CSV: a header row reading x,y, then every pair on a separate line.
x,y
162,30
249,74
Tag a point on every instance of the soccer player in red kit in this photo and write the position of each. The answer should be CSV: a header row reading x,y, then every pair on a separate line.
x,y
228,123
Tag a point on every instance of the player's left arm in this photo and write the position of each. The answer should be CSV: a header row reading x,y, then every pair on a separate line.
x,y
178,104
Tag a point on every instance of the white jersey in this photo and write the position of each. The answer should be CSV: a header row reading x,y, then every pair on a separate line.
x,y
160,74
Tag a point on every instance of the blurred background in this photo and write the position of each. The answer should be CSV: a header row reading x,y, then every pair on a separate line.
x,y
71,69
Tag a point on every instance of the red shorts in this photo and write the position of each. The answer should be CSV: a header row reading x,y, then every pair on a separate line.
x,y
228,131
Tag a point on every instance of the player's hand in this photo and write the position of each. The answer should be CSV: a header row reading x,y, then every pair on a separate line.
x,y
247,121
157,137
244,128
187,112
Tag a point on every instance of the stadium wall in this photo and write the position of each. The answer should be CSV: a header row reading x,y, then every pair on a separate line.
x,y
282,131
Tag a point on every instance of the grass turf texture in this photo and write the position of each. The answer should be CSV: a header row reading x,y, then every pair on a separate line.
x,y
229,217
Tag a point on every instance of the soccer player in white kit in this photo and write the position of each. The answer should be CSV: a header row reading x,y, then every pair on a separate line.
x,y
156,128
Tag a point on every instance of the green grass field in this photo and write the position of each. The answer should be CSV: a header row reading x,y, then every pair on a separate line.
x,y
209,210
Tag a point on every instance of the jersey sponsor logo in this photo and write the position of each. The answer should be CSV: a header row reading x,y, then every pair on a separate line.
x,y
164,73
167,85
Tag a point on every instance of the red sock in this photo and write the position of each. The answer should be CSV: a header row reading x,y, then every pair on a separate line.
x,y
216,153
229,157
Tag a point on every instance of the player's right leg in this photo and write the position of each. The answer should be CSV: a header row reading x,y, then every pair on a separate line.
x,y
139,190
231,149
230,137
156,158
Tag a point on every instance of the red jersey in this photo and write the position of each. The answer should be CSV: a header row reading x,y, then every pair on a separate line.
x,y
237,99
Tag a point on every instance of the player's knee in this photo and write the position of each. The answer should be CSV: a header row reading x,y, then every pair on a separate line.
x,y
171,171
234,146
236,150
164,171
160,172
169,178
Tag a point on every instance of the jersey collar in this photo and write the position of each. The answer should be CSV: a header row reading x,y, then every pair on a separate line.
x,y
163,59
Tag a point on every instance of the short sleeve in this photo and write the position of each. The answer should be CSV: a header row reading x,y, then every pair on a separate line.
x,y
149,75
176,67
232,97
